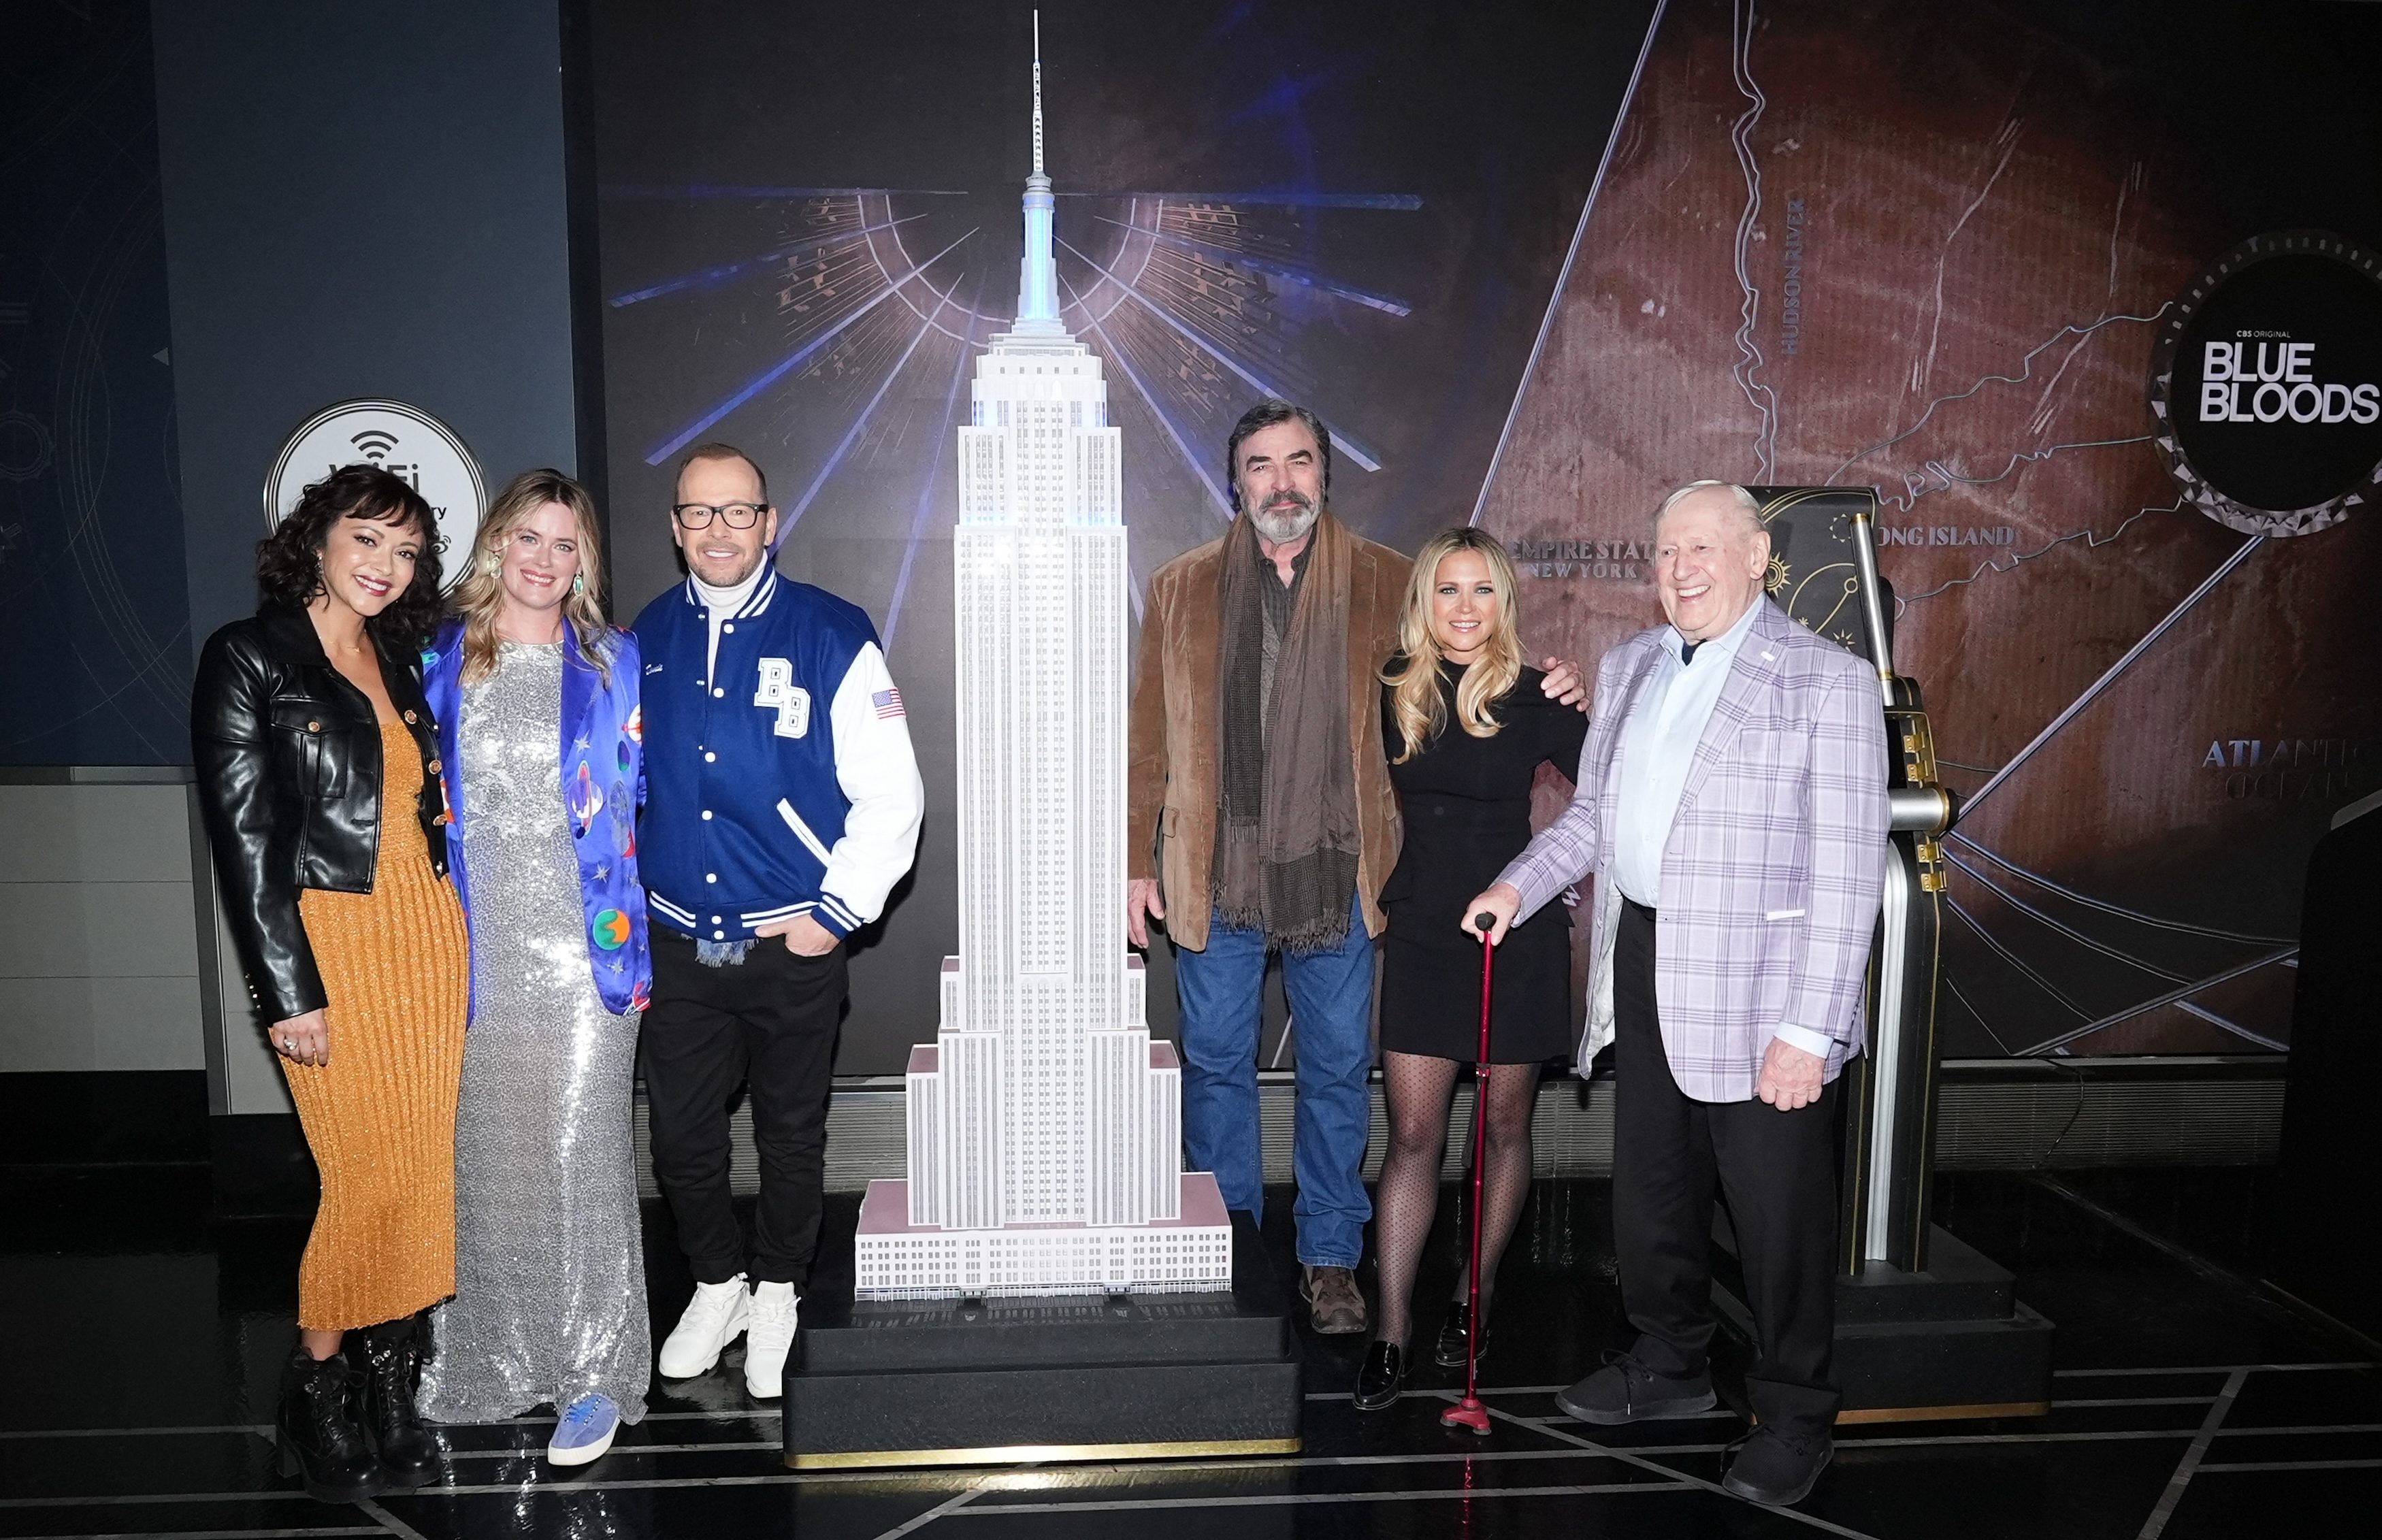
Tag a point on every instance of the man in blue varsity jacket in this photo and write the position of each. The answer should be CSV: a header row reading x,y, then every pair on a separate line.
x,y
782,803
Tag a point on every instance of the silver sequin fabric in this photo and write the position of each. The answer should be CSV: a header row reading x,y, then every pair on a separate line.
x,y
549,1270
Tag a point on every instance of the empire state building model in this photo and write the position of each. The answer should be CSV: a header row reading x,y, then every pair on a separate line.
x,y
1045,1148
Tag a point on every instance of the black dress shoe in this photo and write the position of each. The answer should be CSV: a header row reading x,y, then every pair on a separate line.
x,y
1778,1467
1383,1375
1625,1390
314,1433
392,1356
1449,1352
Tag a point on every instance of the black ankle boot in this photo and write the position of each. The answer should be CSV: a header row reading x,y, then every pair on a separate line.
x,y
316,1433
392,1356
1448,1351
1382,1376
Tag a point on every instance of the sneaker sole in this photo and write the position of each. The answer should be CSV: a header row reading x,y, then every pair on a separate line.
x,y
752,1388
710,1363
586,1454
1652,1411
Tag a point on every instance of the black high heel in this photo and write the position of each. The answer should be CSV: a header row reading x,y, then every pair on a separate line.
x,y
1448,1352
392,1356
1382,1378
314,1433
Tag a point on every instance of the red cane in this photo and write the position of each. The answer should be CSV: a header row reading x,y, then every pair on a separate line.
x,y
1469,1412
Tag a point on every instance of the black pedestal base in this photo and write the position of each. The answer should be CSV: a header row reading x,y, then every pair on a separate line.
x,y
950,1382
1952,1341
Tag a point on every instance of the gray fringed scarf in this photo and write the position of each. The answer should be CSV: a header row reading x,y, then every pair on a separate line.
x,y
1286,835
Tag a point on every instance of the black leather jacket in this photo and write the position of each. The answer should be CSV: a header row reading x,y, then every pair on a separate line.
x,y
288,760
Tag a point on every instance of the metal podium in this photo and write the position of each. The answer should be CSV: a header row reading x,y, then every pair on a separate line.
x,y
1926,1327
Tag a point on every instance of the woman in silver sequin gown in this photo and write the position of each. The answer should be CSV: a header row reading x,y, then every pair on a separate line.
x,y
550,1298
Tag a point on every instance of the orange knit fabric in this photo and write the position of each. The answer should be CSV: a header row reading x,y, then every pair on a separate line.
x,y
380,1116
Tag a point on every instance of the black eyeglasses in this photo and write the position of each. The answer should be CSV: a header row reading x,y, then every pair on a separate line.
x,y
698,516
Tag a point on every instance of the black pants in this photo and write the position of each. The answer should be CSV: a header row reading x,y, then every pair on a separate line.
x,y
768,1021
1777,1170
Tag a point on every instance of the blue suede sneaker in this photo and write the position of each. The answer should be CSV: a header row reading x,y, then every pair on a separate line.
x,y
585,1432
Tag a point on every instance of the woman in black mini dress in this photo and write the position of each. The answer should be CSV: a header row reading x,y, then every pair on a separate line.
x,y
1468,727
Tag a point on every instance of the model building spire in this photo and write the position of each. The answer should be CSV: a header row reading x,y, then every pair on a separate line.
x,y
1038,274
1038,99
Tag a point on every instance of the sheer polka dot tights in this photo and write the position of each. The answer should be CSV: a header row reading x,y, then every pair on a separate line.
x,y
1406,1197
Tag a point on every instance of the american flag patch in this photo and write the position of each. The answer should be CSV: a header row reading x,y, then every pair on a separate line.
x,y
888,703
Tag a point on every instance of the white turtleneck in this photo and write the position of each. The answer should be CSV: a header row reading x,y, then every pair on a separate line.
x,y
722,605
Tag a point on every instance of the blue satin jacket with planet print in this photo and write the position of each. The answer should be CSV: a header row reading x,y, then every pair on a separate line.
x,y
603,758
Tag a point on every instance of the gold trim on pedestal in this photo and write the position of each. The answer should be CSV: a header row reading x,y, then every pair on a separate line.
x,y
1943,1413
1047,1454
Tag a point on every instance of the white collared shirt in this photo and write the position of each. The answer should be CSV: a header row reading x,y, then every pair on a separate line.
x,y
1658,747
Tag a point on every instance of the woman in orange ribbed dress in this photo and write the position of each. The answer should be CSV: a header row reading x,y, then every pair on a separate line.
x,y
319,777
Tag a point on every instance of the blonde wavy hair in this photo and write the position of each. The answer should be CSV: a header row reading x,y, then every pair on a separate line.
x,y
1413,677
480,595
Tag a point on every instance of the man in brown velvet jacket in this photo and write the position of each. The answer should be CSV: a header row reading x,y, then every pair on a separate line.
x,y
1261,819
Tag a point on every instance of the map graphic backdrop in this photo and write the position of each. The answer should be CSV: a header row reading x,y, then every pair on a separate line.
x,y
1926,246
1921,246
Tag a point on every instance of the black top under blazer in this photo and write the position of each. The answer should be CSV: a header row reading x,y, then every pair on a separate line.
x,y
289,757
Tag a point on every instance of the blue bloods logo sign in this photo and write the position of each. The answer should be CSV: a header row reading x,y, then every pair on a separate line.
x,y
2268,384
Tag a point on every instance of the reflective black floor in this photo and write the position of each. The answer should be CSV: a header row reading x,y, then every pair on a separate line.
x,y
144,1338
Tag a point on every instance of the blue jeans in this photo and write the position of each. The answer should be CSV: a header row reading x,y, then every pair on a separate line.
x,y
1332,1009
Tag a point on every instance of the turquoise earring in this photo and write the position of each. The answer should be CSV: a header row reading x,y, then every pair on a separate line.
x,y
578,582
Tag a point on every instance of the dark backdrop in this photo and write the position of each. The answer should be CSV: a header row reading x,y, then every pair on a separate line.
x,y
1362,206
94,620
360,200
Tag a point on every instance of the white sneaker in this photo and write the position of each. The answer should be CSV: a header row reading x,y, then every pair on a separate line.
x,y
772,1335
714,1318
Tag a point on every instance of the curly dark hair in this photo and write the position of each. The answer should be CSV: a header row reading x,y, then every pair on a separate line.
x,y
289,560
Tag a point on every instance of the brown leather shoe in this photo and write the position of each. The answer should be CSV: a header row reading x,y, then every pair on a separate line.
x,y
1332,1292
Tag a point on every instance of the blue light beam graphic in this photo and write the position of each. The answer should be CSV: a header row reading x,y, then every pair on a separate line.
x,y
1279,270
1401,202
859,424
1173,434
776,372
635,192
711,276
1355,448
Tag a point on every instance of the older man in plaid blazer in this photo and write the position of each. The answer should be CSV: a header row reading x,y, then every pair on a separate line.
x,y
1731,807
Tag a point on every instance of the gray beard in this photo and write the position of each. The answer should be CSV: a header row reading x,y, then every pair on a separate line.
x,y
1281,529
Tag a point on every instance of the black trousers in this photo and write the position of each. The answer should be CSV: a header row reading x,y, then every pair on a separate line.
x,y
768,1021
1777,1170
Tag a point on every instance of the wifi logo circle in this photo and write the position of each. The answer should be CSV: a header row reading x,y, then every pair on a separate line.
x,y
375,443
